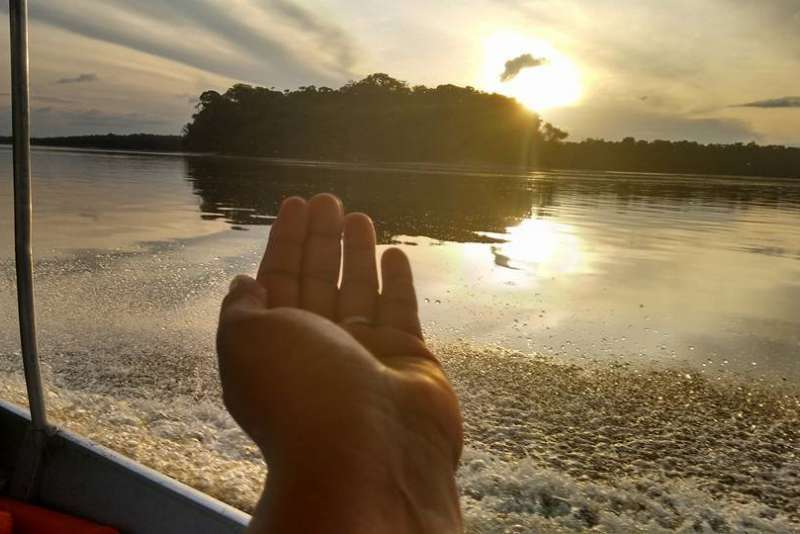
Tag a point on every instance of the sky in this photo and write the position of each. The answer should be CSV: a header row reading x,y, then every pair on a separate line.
x,y
709,71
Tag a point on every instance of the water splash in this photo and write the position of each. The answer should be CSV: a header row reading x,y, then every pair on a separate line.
x,y
550,447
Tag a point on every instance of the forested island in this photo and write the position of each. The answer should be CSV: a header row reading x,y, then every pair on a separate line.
x,y
380,118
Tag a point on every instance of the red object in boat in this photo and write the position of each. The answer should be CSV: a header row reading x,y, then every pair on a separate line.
x,y
6,525
21,518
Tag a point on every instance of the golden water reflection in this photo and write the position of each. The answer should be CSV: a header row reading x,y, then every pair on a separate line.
x,y
650,269
540,246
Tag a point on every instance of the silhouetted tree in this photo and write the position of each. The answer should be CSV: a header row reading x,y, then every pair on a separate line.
x,y
377,118
381,118
139,141
677,157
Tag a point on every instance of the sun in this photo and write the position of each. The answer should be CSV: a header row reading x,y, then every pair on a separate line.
x,y
554,83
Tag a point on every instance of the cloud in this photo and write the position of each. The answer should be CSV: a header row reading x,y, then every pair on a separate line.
x,y
523,61
782,102
627,52
326,34
234,42
80,78
43,99
106,25
51,99
188,97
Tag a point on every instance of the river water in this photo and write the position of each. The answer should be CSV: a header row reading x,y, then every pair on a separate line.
x,y
626,346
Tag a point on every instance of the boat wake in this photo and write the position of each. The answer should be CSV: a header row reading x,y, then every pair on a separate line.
x,y
550,447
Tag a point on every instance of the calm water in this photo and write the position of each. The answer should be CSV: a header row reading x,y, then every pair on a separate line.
x,y
648,268
649,282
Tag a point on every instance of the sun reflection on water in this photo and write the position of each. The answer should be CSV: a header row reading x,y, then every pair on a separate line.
x,y
541,246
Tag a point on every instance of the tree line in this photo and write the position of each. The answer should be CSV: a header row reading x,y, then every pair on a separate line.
x,y
139,141
380,118
630,155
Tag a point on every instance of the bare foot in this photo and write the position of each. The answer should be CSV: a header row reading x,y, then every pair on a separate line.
x,y
356,420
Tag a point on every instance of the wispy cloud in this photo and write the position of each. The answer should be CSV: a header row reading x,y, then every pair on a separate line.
x,y
226,40
51,99
80,78
44,99
187,97
107,24
326,33
523,61
658,49
782,102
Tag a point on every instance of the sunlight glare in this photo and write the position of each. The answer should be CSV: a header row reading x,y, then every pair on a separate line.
x,y
547,246
553,84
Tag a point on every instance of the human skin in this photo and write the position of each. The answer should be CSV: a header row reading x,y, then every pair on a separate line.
x,y
358,424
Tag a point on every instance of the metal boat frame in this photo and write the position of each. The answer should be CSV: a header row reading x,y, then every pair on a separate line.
x,y
55,468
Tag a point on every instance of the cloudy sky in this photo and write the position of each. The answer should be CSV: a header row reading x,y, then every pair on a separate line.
x,y
710,70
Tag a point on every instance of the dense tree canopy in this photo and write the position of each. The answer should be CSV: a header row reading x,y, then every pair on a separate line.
x,y
380,118
377,118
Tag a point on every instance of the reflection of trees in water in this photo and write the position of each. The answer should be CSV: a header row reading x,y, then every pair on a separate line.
x,y
441,206
664,191
732,193
452,205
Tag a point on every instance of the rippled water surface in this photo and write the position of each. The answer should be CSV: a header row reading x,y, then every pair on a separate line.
x,y
626,347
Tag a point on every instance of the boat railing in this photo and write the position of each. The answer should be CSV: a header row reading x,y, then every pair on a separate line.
x,y
24,481
54,467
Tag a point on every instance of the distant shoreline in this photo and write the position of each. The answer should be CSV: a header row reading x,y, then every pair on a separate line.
x,y
156,144
417,166
90,150
381,120
135,142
